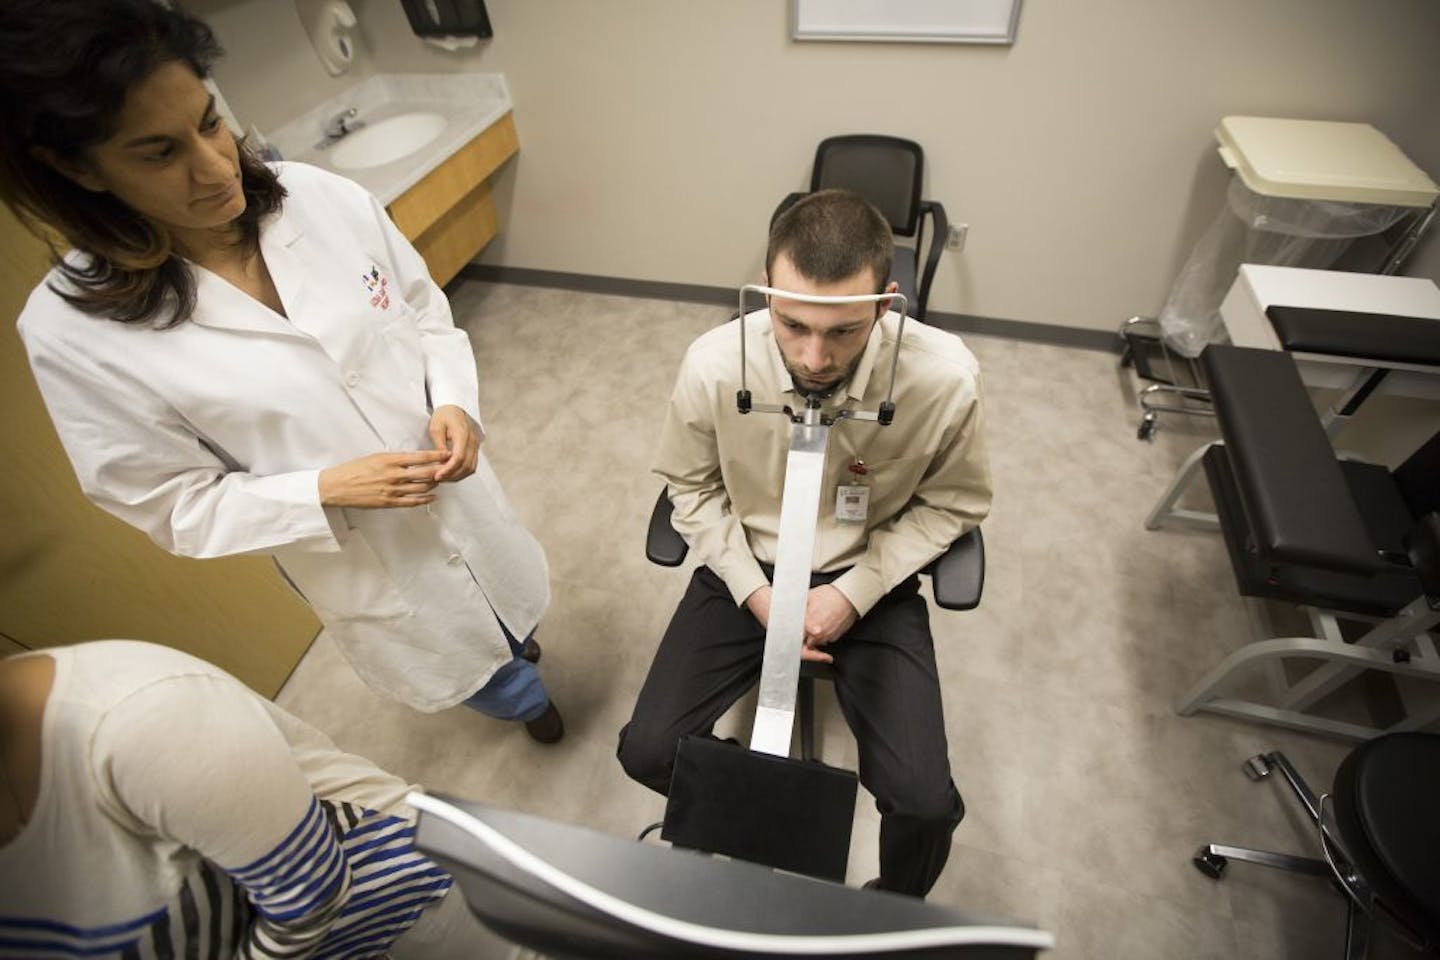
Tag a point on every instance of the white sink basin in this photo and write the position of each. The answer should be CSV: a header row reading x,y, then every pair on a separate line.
x,y
386,140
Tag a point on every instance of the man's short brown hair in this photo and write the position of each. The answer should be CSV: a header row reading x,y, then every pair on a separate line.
x,y
830,236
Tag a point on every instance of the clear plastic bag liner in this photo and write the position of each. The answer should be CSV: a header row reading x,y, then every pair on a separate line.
x,y
1254,228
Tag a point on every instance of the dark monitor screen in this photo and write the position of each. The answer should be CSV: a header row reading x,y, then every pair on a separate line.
x,y
571,892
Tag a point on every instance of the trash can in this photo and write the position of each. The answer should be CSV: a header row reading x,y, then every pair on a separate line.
x,y
1302,192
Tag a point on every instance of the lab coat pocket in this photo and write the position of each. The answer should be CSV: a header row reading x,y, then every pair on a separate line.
x,y
401,336
350,585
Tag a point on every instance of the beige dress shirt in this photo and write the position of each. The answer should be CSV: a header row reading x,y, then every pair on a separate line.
x,y
928,472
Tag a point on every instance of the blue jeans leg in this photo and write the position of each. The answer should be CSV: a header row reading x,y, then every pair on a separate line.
x,y
514,692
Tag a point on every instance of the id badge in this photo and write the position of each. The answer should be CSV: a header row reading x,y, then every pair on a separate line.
x,y
852,503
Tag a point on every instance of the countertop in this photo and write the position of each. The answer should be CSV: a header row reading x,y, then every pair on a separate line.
x,y
470,102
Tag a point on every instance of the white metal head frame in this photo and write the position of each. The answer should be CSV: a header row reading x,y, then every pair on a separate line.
x,y
799,513
883,415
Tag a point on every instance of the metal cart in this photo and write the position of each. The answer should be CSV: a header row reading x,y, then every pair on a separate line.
x,y
1303,193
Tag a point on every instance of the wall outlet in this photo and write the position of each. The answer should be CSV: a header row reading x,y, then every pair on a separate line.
x,y
955,240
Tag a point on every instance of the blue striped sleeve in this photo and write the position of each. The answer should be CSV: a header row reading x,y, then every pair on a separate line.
x,y
298,890
300,873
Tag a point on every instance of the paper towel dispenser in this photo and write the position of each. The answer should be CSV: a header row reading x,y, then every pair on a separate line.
x,y
448,18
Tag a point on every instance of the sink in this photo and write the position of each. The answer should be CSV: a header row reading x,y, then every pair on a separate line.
x,y
386,140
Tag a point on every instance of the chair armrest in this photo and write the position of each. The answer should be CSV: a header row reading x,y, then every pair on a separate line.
x,y
958,574
940,229
1297,503
662,544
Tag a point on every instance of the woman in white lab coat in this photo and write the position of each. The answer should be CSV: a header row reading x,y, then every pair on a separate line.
x,y
249,359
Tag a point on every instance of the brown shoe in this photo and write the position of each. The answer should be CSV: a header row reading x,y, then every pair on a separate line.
x,y
530,650
548,727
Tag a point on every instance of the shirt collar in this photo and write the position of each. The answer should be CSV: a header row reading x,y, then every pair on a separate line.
x,y
859,381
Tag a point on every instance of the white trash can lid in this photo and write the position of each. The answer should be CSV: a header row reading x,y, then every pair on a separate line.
x,y
1322,160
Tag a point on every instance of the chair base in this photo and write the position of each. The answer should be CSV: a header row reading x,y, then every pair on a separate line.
x,y
1213,858
1290,703
1180,379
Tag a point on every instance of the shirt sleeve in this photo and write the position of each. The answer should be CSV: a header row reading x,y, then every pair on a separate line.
x,y
689,463
450,377
138,459
195,760
952,497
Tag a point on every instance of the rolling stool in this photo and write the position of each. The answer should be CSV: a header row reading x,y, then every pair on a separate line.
x,y
1379,833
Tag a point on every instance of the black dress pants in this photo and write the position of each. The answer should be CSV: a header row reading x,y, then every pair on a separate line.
x,y
887,687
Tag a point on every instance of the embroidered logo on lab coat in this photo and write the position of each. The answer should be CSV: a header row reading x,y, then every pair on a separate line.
x,y
379,286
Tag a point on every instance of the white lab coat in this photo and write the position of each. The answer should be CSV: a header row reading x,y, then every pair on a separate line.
x,y
210,436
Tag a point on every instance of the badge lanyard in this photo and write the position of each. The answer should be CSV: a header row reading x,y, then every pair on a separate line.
x,y
852,500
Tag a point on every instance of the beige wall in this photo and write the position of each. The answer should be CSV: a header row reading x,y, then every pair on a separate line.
x,y
270,72
657,135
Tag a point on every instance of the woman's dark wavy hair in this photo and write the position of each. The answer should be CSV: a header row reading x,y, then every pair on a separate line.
x,y
65,68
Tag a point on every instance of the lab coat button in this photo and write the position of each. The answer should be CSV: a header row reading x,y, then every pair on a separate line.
x,y
352,378
453,559
430,509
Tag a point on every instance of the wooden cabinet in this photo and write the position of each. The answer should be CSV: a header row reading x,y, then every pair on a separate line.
x,y
71,572
450,214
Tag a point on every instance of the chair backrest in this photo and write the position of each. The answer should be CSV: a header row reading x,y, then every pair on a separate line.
x,y
885,170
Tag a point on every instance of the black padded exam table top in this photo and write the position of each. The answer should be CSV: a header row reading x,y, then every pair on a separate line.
x,y
1383,338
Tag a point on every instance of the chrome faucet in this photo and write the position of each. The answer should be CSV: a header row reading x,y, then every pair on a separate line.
x,y
340,125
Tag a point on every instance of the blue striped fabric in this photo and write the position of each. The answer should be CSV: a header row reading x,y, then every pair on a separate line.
x,y
20,937
390,884
300,874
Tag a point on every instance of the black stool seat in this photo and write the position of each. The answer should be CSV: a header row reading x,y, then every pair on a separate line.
x,y
1369,336
1387,810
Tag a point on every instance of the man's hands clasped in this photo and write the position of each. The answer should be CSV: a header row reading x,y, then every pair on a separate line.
x,y
828,615
407,479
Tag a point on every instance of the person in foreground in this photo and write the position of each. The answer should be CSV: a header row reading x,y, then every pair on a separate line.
x,y
246,359
894,498
153,806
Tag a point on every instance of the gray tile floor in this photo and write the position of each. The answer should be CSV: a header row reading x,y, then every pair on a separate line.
x,y
1086,793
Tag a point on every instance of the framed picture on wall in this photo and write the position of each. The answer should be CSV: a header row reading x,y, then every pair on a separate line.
x,y
906,21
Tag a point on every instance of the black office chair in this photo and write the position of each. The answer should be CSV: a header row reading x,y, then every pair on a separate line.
x,y
574,893
1349,541
1378,833
887,171
957,577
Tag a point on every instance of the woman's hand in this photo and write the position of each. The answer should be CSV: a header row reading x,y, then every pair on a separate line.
x,y
383,480
453,432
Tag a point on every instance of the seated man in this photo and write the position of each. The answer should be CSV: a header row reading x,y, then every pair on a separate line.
x,y
925,481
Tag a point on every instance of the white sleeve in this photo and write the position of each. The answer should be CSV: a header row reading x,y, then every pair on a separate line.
x,y
138,458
